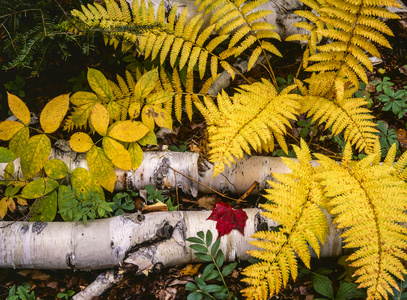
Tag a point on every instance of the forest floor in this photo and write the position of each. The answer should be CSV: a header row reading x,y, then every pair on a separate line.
x,y
169,283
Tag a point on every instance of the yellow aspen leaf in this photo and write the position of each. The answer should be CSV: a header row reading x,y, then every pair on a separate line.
x,y
56,169
82,98
190,270
136,154
47,208
83,181
19,109
11,205
3,207
128,131
101,168
21,201
35,155
9,128
39,188
116,152
100,85
19,140
134,110
9,170
153,113
99,117
80,142
145,85
53,113
149,139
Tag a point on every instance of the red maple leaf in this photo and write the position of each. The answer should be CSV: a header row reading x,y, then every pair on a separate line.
x,y
228,218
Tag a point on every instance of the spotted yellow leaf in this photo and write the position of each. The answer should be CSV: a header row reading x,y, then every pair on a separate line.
x,y
56,169
19,140
35,155
80,142
19,109
100,85
9,128
99,117
154,113
128,131
136,154
47,208
9,170
145,85
53,113
101,168
39,188
83,181
116,152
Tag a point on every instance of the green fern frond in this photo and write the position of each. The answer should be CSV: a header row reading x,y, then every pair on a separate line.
x,y
295,200
369,202
253,117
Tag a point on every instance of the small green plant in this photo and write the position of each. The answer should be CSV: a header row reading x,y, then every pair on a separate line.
x,y
387,138
363,93
16,87
307,126
383,85
394,101
22,292
181,148
206,252
80,82
155,195
283,83
65,294
346,290
400,292
123,201
83,206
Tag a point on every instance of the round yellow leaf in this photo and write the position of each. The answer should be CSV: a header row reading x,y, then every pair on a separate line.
x,y
53,113
56,169
19,109
80,142
128,131
116,152
99,117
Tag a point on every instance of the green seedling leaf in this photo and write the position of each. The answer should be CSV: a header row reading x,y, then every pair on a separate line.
x,y
212,288
47,208
199,248
215,247
83,182
195,296
190,286
208,238
53,113
19,140
19,109
220,258
6,155
195,240
323,286
100,85
212,275
116,152
228,269
56,169
35,155
209,268
201,284
200,234
204,257
9,128
39,188
101,168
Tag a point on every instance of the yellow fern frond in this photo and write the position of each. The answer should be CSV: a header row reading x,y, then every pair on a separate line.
x,y
370,204
294,201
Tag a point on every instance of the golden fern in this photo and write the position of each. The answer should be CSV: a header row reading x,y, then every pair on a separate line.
x,y
251,119
295,204
370,203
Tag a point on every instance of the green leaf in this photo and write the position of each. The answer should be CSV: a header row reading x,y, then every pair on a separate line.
x,y
195,240
6,155
149,139
47,208
100,85
19,140
208,238
346,290
195,296
101,168
323,286
212,288
145,85
209,268
11,190
190,286
220,258
199,248
201,284
65,195
39,188
212,275
35,155
200,234
215,247
204,257
228,269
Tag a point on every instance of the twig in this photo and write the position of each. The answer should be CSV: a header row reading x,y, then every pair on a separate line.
x,y
254,185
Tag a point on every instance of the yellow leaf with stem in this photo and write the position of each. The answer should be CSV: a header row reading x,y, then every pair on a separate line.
x,y
136,154
99,117
35,155
9,128
56,169
83,182
116,152
39,188
128,131
154,114
19,109
101,168
80,142
19,140
145,85
3,206
53,113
